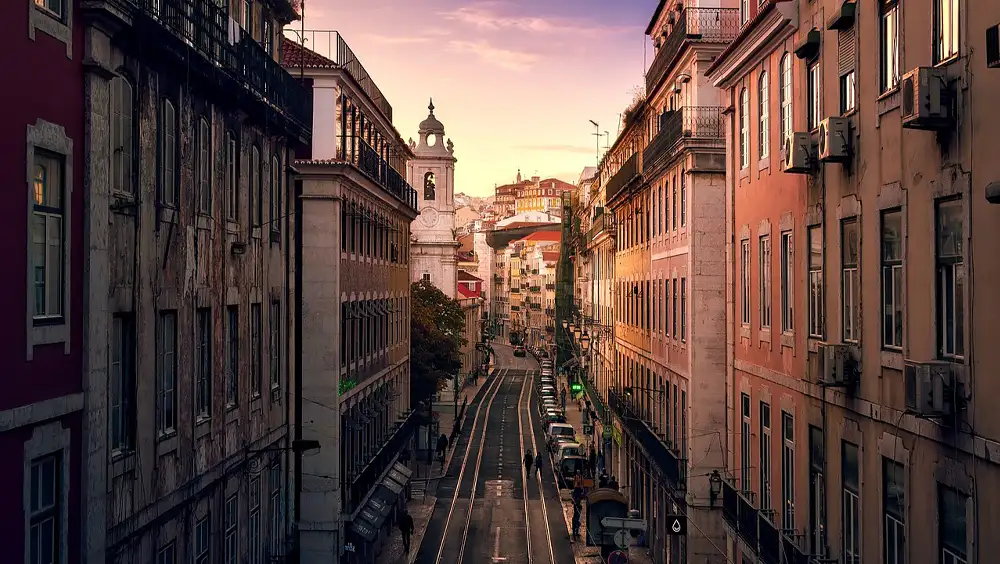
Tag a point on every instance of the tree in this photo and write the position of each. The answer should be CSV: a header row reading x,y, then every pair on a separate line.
x,y
436,339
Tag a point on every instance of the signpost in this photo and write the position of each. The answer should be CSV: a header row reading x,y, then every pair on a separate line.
x,y
617,557
623,523
623,539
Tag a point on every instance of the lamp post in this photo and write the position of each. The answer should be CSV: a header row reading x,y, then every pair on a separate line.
x,y
714,486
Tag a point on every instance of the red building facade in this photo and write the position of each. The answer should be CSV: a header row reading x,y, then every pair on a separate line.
x,y
41,394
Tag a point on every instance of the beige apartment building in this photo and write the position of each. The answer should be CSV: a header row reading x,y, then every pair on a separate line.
x,y
353,282
861,171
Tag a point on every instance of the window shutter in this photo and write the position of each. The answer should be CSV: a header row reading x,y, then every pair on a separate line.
x,y
846,47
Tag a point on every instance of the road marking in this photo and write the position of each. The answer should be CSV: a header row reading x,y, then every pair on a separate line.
x,y
496,547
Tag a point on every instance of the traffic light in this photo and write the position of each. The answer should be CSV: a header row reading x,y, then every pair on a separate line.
x,y
576,387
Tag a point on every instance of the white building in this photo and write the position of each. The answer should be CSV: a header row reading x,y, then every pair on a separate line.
x,y
529,217
433,239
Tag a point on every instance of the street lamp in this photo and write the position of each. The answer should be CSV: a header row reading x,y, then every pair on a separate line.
x,y
714,486
585,342
576,333
572,328
565,323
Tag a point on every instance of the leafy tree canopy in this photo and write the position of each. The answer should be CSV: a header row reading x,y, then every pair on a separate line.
x,y
436,340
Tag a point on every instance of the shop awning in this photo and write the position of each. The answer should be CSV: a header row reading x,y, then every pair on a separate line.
x,y
364,529
383,500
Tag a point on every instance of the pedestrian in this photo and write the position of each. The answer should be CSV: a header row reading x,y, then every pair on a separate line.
x,y
576,520
538,465
406,528
528,459
603,481
442,444
562,396
592,461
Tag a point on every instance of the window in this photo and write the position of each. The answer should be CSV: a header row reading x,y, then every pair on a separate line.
x,y
203,358
850,474
946,18
950,259
785,69
253,537
683,309
275,344
673,312
202,540
888,44
231,546
232,178
256,172
204,166
850,291
683,199
255,350
952,526
167,554
122,140
267,36
893,511
745,282
44,513
817,492
744,128
684,419
745,454
166,377
763,117
54,7
232,355
48,238
787,282
787,471
765,455
277,526
744,12
764,280
122,383
815,97
892,279
848,92
169,195
275,195
817,308
673,203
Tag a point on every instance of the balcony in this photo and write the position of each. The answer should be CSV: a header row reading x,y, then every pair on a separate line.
x,y
535,289
694,25
515,290
331,44
597,226
385,457
757,530
667,464
550,286
550,311
377,167
515,308
623,178
192,38
697,126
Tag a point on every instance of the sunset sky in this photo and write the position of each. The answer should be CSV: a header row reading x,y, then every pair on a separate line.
x,y
514,82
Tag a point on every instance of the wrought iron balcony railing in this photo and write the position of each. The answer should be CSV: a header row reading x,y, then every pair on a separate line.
x,y
757,529
550,311
535,289
701,25
597,226
200,39
698,124
666,462
628,172
370,162
550,286
331,44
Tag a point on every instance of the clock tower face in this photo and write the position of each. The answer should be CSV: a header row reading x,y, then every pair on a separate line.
x,y
429,216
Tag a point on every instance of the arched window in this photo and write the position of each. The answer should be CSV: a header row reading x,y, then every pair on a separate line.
x,y
122,139
764,122
430,191
785,97
744,129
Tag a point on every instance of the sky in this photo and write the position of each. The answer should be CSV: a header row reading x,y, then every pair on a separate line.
x,y
514,82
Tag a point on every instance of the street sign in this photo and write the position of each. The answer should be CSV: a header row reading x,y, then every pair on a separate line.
x,y
623,539
677,525
588,429
607,432
622,523
617,557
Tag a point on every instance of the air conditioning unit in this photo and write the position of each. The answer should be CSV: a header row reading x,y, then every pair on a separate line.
x,y
835,366
928,385
834,140
926,99
798,153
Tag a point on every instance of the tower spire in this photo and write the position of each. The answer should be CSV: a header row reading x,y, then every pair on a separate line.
x,y
431,106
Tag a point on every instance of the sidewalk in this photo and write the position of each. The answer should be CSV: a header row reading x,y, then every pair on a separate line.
x,y
421,510
582,553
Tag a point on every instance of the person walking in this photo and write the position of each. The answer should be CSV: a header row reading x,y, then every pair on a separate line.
x,y
538,465
405,524
562,396
528,459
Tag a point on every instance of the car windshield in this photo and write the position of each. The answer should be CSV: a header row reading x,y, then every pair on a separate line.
x,y
563,431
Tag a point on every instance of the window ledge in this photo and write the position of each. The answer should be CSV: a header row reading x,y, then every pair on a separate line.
x,y
202,426
256,404
788,339
745,172
166,444
888,101
50,24
204,222
168,214
764,163
891,359
744,331
233,227
276,237
122,462
255,232
50,334
764,335
813,343
232,413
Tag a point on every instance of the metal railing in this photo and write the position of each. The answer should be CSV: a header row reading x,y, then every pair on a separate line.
x,y
703,123
331,44
202,38
703,25
628,171
370,162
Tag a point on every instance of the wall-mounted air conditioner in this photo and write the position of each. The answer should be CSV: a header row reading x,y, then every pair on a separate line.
x,y
834,140
927,388
797,149
926,99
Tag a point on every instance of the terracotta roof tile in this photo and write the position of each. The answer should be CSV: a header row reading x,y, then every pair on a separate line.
x,y
543,236
466,277
550,255
294,55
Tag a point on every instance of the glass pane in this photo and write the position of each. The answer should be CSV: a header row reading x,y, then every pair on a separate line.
x,y
959,305
949,228
892,231
897,288
54,266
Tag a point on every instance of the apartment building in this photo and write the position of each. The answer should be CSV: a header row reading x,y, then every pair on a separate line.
x,y
353,292
187,239
539,195
506,292
855,204
42,421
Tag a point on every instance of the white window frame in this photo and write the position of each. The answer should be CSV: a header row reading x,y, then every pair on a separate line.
x,y
947,26
848,92
232,179
950,270
764,280
765,454
894,520
889,45
256,182
122,135
787,470
122,385
787,282
275,195
744,12
763,117
785,95
892,284
850,284
817,288
167,554
275,345
48,248
166,373
851,516
681,180
744,128
256,354
169,182
48,440
745,287
815,78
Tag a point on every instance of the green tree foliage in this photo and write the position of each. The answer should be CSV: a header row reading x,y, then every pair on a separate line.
x,y
436,340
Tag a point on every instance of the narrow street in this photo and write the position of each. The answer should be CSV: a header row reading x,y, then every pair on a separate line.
x,y
487,509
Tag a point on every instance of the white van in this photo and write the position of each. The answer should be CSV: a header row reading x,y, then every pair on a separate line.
x,y
568,449
560,430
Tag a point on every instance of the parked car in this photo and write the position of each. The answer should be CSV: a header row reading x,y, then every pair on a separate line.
x,y
547,390
562,449
568,468
553,416
560,430
520,351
